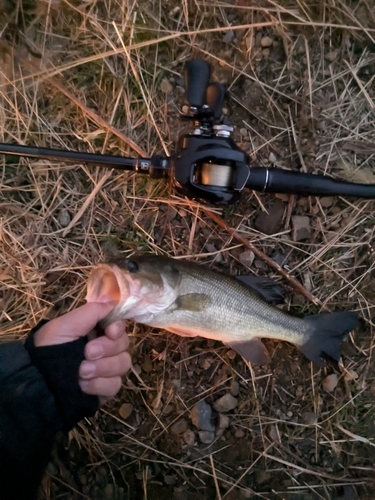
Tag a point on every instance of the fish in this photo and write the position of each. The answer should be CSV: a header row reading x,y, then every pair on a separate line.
x,y
188,299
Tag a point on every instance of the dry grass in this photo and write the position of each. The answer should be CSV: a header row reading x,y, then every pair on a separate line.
x,y
88,75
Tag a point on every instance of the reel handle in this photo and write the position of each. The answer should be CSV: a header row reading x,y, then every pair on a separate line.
x,y
215,95
197,75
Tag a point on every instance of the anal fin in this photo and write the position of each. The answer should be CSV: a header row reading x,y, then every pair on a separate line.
x,y
252,350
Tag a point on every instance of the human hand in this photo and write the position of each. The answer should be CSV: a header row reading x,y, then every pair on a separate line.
x,y
106,359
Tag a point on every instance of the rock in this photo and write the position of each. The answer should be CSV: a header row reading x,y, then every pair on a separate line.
x,y
179,427
223,424
229,36
83,479
332,55
309,418
266,41
301,227
239,433
263,476
108,491
64,218
210,248
201,416
351,375
170,479
244,132
274,434
125,410
329,383
206,437
272,157
166,86
234,388
246,258
299,391
147,364
189,437
206,364
271,222
326,201
225,403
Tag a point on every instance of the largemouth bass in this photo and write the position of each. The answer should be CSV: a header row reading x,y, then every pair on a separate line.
x,y
190,300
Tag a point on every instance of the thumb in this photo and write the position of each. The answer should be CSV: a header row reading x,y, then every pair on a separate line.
x,y
74,324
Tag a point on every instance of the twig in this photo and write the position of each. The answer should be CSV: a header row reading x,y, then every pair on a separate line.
x,y
300,288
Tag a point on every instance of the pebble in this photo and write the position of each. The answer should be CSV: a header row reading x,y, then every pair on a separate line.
x,y
246,258
210,247
189,437
239,433
272,157
206,436
350,375
108,491
234,388
263,476
301,227
168,409
229,36
225,403
299,391
166,86
231,354
179,427
273,433
170,479
266,41
147,364
206,364
64,218
271,222
223,424
329,383
326,201
201,416
243,132
309,418
331,56
125,410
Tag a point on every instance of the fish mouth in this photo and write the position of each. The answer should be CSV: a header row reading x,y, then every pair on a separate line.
x,y
106,283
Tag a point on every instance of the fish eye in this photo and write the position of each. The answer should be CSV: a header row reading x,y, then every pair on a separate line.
x,y
132,266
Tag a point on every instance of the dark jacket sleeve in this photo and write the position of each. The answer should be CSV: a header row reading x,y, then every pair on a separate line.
x,y
39,396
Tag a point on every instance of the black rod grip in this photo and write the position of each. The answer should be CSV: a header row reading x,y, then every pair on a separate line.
x,y
197,77
274,180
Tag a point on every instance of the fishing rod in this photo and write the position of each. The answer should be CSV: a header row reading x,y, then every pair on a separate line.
x,y
208,165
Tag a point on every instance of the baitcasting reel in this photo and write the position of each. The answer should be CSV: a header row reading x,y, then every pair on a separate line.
x,y
208,165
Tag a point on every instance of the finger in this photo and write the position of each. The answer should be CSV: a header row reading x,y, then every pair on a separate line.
x,y
102,387
116,329
106,367
74,324
102,347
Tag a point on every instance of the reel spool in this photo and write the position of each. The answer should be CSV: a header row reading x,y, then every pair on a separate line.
x,y
213,174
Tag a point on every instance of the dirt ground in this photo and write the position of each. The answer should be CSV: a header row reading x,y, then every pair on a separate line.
x,y
106,76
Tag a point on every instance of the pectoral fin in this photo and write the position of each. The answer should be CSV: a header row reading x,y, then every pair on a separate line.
x,y
196,302
252,350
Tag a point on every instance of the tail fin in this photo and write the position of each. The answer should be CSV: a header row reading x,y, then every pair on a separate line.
x,y
325,333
